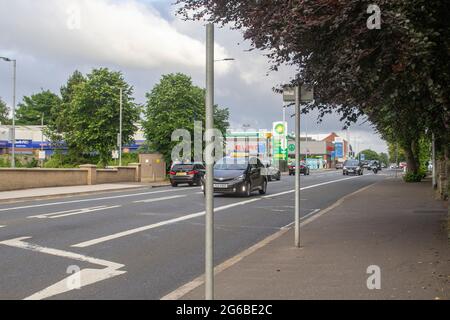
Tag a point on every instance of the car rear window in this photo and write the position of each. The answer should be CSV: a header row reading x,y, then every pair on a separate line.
x,y
182,167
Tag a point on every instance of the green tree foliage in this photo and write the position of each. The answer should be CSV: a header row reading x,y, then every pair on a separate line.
x,y
384,158
175,103
91,113
32,108
396,153
397,75
369,155
4,113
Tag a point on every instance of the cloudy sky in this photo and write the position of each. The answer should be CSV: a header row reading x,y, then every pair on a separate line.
x,y
144,39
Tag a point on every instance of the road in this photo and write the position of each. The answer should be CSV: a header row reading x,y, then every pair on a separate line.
x,y
142,244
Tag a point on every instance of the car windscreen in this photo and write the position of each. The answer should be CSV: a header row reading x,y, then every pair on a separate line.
x,y
231,164
351,163
183,167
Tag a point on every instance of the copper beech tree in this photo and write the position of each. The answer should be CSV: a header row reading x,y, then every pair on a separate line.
x,y
397,74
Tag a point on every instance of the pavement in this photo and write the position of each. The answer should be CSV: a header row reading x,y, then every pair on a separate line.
x,y
39,193
391,230
144,243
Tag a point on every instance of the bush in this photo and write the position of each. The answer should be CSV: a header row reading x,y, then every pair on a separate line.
x,y
411,177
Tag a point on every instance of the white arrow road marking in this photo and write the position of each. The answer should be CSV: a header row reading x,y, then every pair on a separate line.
x,y
86,276
67,213
159,199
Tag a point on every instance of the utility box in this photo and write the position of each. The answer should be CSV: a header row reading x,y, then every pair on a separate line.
x,y
153,167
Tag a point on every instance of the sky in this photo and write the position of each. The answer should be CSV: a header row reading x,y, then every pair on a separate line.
x,y
145,39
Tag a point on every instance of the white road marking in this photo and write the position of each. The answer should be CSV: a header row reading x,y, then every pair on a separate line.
x,y
95,199
197,282
159,199
190,216
2,226
86,276
67,213
157,225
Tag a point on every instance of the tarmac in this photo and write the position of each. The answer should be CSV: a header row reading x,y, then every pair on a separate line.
x,y
387,241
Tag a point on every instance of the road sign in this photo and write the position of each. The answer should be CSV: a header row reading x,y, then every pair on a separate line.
x,y
362,157
115,154
339,148
307,94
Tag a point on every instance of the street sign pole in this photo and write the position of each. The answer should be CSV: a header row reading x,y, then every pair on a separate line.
x,y
120,129
297,165
209,183
434,161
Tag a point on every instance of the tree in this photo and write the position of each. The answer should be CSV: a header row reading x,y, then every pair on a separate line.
x,y
175,103
399,70
60,113
32,108
384,158
369,155
92,110
4,112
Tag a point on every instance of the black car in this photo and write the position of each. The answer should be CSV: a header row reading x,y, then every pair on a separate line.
x,y
239,176
191,174
353,167
374,164
304,169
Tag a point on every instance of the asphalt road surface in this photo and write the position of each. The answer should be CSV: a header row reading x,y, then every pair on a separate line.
x,y
142,244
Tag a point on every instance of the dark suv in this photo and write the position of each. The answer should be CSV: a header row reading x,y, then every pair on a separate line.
x,y
353,167
239,176
304,169
191,174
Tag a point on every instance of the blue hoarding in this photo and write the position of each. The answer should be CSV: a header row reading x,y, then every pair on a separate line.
x,y
339,149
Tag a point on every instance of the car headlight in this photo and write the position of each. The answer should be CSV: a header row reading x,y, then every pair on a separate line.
x,y
358,168
345,168
241,178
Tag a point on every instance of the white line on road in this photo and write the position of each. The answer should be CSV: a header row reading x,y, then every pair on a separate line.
x,y
95,199
190,216
67,213
160,199
2,226
86,276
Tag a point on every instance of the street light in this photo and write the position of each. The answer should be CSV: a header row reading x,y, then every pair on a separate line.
x,y
209,180
13,138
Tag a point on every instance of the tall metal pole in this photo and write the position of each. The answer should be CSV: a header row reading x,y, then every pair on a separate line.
x,y
434,160
209,183
120,129
13,160
297,165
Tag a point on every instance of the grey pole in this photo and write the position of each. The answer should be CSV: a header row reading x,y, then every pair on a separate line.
x,y
297,165
209,183
120,129
434,160
13,160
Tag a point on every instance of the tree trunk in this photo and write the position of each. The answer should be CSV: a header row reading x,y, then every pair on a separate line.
x,y
411,158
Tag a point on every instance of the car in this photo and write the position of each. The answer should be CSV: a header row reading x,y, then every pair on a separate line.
x,y
271,172
304,169
339,166
187,173
353,167
239,176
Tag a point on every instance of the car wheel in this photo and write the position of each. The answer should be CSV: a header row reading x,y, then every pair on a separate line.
x,y
174,184
279,177
248,190
264,188
269,178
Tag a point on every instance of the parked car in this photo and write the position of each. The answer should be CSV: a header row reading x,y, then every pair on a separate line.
x,y
239,176
271,172
191,174
353,167
304,169
339,166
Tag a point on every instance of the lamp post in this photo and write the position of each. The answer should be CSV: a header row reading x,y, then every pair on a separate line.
x,y
120,129
209,183
13,137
